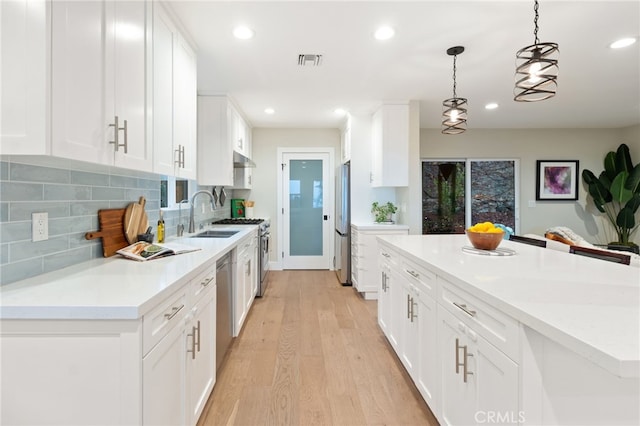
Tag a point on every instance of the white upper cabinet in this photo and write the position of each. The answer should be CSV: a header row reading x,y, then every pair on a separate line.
x,y
99,77
390,137
24,77
221,130
174,99
215,150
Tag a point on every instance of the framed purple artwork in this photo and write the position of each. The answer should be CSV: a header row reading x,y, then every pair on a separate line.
x,y
557,180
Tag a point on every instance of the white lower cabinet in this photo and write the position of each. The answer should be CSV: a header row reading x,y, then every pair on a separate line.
x,y
245,281
201,356
364,252
163,378
479,383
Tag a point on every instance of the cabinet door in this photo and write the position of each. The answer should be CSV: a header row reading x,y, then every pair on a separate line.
x,y
239,306
495,379
457,399
398,308
201,364
82,48
427,360
409,337
390,137
384,304
215,152
163,44
248,280
185,107
163,381
24,75
130,75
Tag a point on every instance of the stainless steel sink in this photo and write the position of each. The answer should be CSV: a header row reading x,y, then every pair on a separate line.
x,y
216,234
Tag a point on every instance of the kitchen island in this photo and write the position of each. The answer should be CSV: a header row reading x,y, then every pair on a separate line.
x,y
539,337
114,341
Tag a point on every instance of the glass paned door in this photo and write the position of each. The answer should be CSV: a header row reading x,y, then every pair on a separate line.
x,y
305,208
493,192
306,201
443,202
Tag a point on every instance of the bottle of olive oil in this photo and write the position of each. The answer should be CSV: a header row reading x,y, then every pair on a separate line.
x,y
161,229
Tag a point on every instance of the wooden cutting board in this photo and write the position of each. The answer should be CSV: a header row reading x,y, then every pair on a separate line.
x,y
134,217
143,223
111,231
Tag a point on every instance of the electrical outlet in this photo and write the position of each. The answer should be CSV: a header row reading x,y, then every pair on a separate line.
x,y
39,226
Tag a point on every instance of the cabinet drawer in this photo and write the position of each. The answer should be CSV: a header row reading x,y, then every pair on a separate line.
x,y
419,276
499,329
157,323
389,256
204,281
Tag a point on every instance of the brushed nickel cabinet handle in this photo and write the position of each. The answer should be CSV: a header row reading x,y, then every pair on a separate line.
x,y
465,370
182,148
408,307
206,281
464,308
413,273
386,255
173,313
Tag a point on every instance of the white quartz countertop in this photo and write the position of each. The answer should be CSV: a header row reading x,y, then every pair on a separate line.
x,y
588,305
111,288
373,226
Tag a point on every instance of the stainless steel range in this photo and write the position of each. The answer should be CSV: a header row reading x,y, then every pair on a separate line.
x,y
263,251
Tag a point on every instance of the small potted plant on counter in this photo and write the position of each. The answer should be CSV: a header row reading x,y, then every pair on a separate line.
x,y
616,193
383,212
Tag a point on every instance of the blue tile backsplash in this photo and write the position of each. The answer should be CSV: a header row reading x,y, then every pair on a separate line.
x,y
72,199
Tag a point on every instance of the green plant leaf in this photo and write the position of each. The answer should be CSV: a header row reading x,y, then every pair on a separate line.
x,y
610,165
633,204
633,181
618,191
598,193
604,180
623,159
588,176
625,219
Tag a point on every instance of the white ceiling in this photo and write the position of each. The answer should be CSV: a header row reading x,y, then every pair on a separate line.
x,y
597,86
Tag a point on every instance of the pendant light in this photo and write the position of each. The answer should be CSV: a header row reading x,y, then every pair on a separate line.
x,y
454,115
536,69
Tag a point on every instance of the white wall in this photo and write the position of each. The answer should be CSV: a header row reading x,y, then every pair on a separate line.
x,y
589,146
265,143
362,194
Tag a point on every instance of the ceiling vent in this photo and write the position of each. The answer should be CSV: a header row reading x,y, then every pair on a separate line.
x,y
311,60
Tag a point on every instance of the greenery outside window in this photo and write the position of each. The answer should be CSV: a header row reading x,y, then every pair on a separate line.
x,y
458,193
173,190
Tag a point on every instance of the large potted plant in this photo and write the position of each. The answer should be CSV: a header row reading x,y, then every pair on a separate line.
x,y
616,193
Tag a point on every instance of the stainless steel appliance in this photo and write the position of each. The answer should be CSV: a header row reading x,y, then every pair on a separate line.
x,y
342,260
224,332
263,246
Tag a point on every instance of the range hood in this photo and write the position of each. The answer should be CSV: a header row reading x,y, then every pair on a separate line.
x,y
242,162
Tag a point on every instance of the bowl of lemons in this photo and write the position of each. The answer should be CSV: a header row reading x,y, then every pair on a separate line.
x,y
485,236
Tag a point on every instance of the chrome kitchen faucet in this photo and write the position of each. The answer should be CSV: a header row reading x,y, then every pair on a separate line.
x,y
192,225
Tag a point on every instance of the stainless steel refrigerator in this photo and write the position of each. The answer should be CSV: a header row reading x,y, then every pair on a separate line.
x,y
342,260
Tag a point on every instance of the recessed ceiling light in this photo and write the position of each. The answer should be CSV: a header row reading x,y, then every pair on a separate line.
x,y
269,111
623,42
340,111
243,33
491,105
384,33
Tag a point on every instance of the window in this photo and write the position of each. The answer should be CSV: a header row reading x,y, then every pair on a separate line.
x,y
173,190
458,193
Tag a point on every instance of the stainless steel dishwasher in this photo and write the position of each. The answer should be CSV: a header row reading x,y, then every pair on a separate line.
x,y
223,307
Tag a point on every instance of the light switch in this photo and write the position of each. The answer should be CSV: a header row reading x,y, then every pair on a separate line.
x,y
39,226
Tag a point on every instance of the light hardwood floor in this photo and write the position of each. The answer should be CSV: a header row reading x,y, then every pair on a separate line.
x,y
311,353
